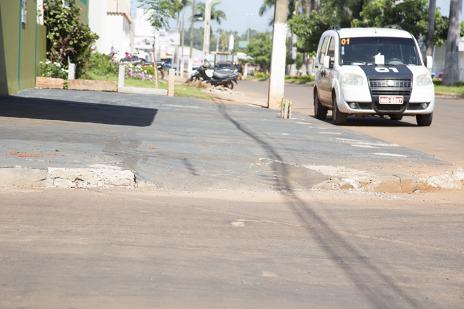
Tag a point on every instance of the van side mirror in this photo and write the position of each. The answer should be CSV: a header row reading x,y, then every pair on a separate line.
x,y
429,62
326,62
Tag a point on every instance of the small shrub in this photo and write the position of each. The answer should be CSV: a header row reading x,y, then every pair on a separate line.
x,y
261,75
52,69
138,72
101,65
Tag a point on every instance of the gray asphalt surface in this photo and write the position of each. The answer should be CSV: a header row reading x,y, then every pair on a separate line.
x,y
444,139
84,249
181,143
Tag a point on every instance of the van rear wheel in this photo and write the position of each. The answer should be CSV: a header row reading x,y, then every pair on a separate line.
x,y
424,120
337,116
320,111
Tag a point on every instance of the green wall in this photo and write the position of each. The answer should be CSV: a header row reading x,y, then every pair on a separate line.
x,y
22,46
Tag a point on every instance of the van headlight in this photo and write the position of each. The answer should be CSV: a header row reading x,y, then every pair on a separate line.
x,y
424,80
350,79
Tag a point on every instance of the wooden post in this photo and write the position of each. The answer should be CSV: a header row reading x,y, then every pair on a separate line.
x,y
171,79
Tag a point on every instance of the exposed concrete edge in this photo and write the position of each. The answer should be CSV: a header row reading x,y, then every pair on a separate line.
x,y
97,176
341,178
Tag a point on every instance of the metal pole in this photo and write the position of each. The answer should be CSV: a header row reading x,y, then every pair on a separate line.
x,y
277,78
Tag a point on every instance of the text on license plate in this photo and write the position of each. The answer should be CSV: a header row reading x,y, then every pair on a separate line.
x,y
389,99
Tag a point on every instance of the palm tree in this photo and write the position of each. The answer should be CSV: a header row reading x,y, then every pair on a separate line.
x,y
216,15
451,72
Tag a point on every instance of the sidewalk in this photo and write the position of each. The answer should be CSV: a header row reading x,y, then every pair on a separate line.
x,y
191,145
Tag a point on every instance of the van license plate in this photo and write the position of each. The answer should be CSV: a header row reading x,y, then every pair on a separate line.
x,y
389,99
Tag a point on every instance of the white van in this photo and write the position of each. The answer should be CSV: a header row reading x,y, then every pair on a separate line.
x,y
372,71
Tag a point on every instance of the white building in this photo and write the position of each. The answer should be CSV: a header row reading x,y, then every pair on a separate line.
x,y
112,21
144,35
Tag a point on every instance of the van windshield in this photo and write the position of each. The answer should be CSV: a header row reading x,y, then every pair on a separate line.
x,y
361,51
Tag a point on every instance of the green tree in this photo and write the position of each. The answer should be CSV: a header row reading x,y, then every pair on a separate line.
x,y
260,49
381,13
67,37
309,29
216,15
160,12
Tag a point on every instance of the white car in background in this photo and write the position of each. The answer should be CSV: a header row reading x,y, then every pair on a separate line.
x,y
372,71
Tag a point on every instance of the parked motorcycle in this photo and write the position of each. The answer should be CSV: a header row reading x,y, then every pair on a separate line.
x,y
225,78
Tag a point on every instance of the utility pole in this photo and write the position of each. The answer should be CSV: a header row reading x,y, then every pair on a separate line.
x,y
207,30
279,36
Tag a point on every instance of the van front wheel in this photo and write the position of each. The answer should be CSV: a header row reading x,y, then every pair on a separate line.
x,y
320,111
424,120
337,116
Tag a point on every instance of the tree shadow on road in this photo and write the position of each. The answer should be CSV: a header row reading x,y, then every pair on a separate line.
x,y
377,287
71,111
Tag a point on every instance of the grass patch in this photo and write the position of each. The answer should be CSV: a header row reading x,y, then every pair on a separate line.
x,y
184,90
180,90
449,89
456,89
299,79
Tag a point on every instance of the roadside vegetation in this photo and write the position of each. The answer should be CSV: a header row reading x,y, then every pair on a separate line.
x,y
101,67
457,89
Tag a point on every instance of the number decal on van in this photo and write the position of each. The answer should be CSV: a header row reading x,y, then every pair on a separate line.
x,y
345,41
387,70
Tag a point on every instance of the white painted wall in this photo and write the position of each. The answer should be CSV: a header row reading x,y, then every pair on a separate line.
x,y
111,20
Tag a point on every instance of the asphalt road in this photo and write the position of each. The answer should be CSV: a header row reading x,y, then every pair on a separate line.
x,y
444,139
85,249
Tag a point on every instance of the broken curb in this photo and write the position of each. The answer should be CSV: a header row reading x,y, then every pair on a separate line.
x,y
67,178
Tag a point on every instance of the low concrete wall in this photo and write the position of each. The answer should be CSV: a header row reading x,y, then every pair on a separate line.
x,y
49,83
92,85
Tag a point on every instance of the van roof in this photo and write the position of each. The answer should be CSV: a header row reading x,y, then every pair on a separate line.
x,y
372,32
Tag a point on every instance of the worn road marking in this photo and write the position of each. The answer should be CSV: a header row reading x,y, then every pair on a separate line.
x,y
268,274
330,133
364,146
238,223
386,154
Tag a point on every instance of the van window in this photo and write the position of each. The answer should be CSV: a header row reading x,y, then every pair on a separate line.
x,y
323,50
361,51
331,51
